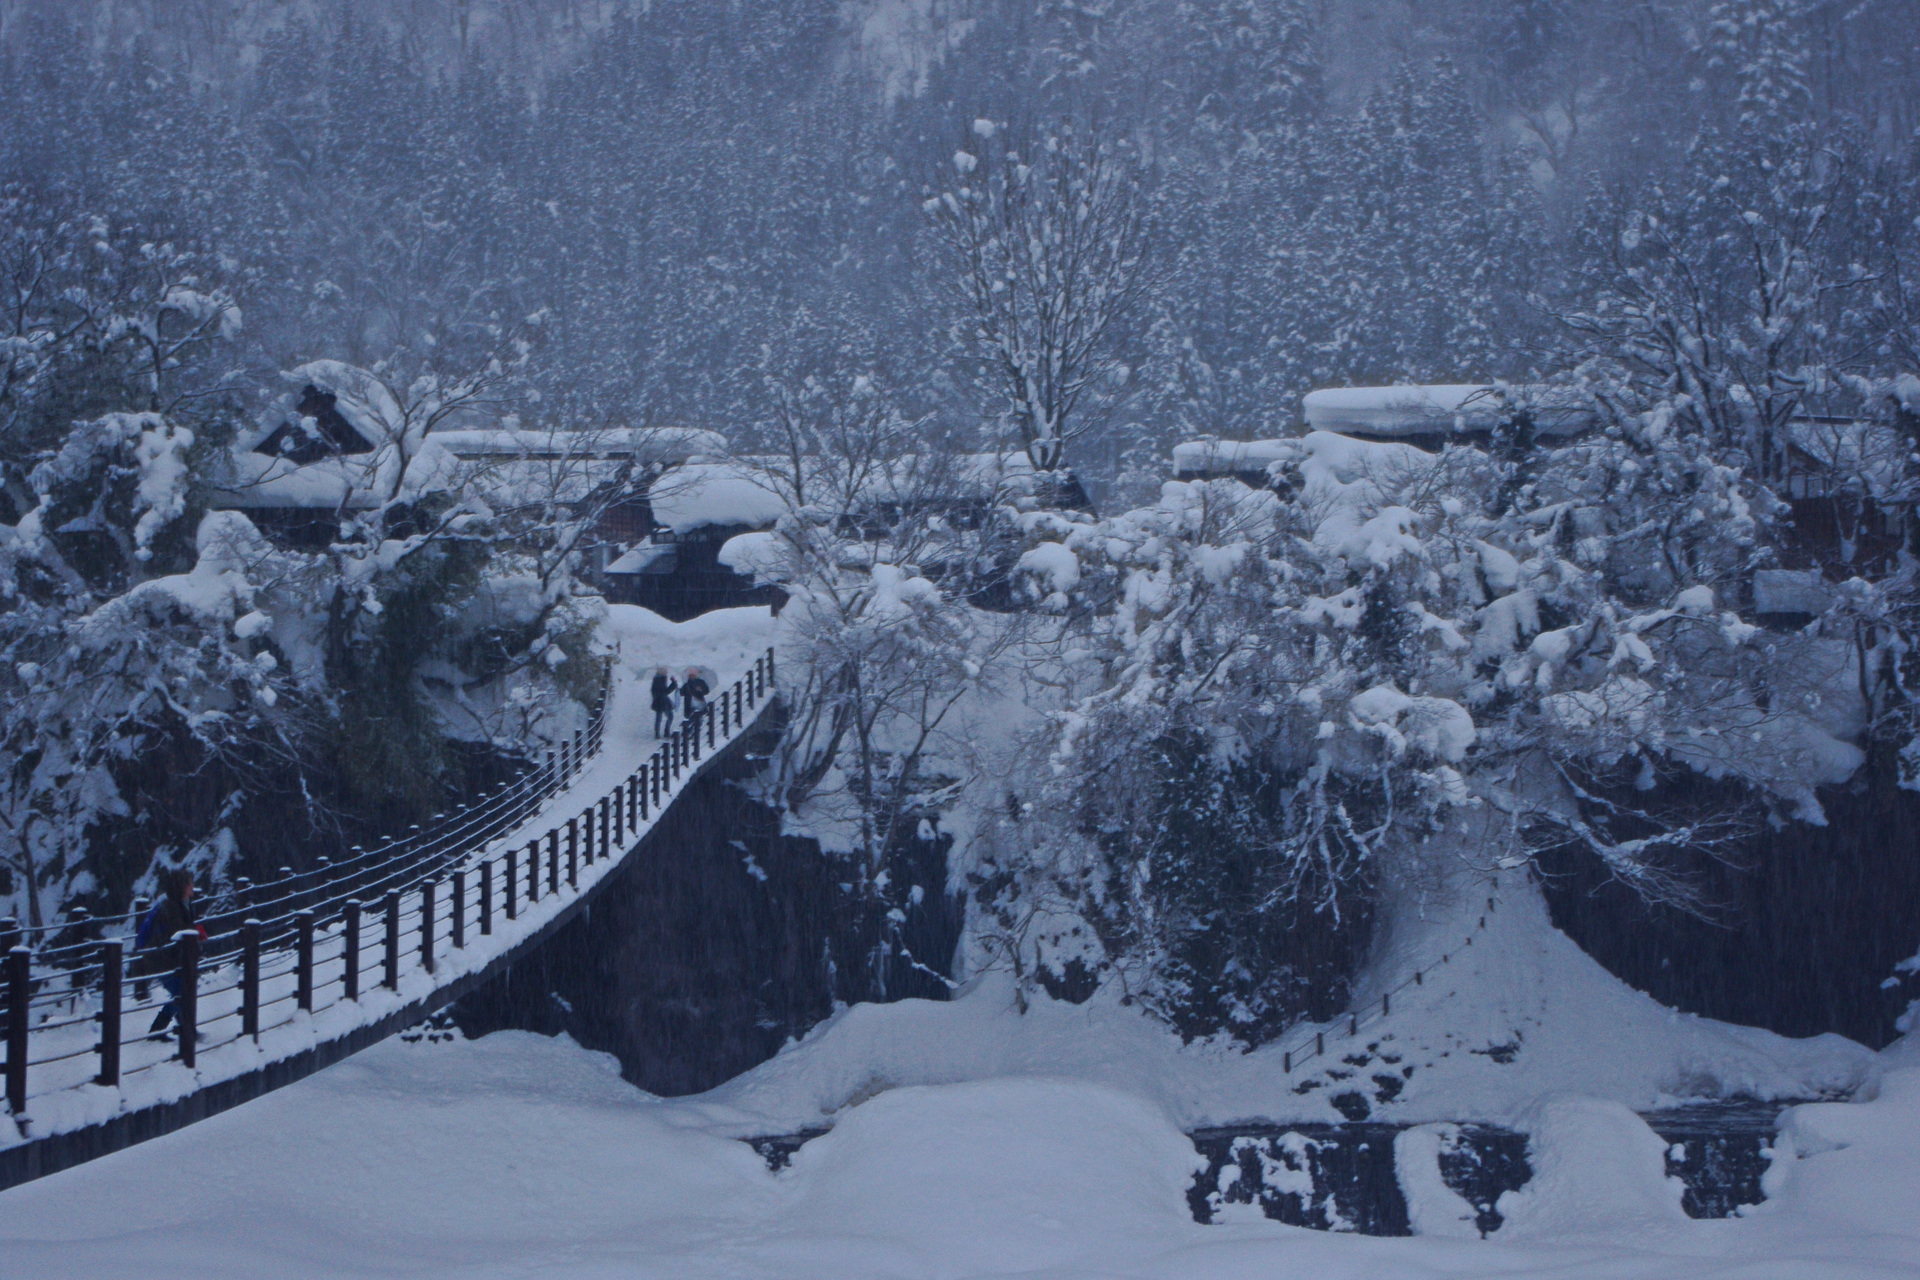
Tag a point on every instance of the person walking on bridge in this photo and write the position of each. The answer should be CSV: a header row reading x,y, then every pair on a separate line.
x,y
693,699
154,942
663,687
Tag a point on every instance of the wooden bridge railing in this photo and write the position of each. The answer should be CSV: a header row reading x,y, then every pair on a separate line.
x,y
452,897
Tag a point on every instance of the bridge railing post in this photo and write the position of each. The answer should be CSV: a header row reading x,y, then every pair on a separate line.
x,y
486,896
350,948
250,979
606,819
112,967
770,664
619,798
426,924
459,907
19,1016
390,972
573,858
533,871
579,740
186,1004
709,718
511,885
553,862
303,922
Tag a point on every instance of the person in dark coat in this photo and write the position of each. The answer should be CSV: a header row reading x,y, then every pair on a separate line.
x,y
663,687
693,700
159,954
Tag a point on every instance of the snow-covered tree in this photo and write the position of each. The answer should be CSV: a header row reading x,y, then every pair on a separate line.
x,y
1044,241
1327,675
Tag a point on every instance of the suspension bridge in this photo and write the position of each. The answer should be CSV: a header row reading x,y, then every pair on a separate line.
x,y
301,971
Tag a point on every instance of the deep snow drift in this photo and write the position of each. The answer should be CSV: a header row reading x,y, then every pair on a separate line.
x,y
1521,1014
516,1156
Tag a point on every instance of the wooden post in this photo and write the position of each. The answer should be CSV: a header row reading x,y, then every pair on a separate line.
x,y
552,773
1353,1024
1286,1062
426,925
1319,1043
1386,1004
533,870
350,930
459,908
19,1012
553,859
709,717
187,1003
770,677
303,960
1419,979
619,818
606,815
511,884
566,767
573,856
578,756
111,967
250,979
486,894
390,972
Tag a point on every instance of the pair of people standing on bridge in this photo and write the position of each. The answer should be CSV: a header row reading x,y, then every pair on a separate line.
x,y
694,691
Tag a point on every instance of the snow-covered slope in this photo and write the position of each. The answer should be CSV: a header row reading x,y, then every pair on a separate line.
x,y
1519,1015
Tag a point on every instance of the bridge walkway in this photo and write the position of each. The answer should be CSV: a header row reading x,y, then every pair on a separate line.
x,y
302,971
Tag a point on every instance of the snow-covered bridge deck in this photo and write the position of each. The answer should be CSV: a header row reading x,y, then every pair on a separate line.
x,y
315,967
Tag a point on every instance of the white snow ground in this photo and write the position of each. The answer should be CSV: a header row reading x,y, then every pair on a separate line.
x,y
519,1156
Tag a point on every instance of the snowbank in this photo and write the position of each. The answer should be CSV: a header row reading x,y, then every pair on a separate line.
x,y
1520,1015
516,1155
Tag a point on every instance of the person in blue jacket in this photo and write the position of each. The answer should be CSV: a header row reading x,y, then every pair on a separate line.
x,y
156,952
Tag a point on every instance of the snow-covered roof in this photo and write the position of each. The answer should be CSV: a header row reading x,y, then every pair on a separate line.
x,y
1442,408
703,494
647,444
1217,457
644,558
1866,452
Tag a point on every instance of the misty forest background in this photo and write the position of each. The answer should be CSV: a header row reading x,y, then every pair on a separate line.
x,y
715,198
